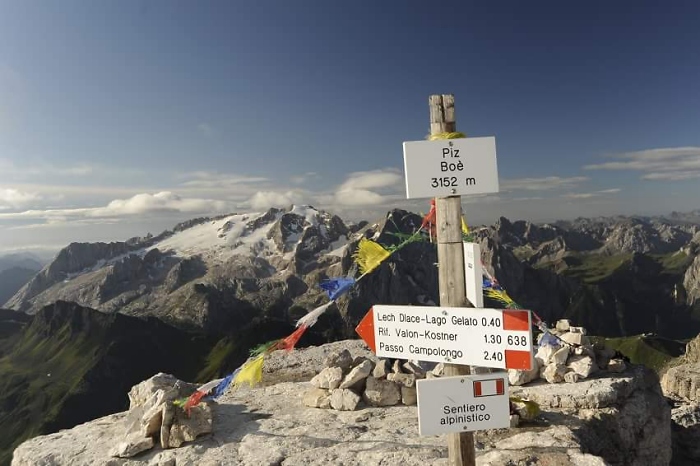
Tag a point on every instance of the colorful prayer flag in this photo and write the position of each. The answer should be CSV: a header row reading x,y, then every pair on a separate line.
x,y
369,255
335,287
312,317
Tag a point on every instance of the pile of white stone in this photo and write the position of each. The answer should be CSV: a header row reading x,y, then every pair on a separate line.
x,y
153,419
565,354
346,382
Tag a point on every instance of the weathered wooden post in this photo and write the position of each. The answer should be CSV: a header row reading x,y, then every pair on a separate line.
x,y
448,211
445,169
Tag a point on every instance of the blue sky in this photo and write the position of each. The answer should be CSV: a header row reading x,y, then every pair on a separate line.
x,y
122,117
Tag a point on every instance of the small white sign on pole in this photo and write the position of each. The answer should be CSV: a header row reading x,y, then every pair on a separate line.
x,y
463,403
472,274
450,167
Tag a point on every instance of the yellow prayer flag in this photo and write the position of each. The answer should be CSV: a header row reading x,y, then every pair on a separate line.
x,y
251,372
465,228
369,255
501,296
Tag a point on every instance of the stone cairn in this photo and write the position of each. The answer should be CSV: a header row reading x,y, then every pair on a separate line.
x,y
345,382
153,419
565,354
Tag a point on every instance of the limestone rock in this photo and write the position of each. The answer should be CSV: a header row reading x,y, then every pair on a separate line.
x,y
303,364
415,369
575,338
554,373
563,325
381,369
618,402
187,428
618,419
571,377
396,367
560,356
329,378
691,282
404,380
357,375
168,384
342,359
439,370
132,446
409,396
514,420
528,448
682,382
582,365
544,354
686,434
359,360
343,399
585,350
521,377
380,392
317,398
168,415
153,416
616,365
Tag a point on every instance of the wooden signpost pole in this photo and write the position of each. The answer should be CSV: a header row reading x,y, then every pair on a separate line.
x,y
451,265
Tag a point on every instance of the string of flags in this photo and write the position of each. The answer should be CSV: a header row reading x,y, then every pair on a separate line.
x,y
368,256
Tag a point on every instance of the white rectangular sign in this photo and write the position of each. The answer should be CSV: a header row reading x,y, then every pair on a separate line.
x,y
472,274
450,167
463,404
467,336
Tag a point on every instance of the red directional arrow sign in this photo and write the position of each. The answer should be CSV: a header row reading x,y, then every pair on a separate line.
x,y
500,338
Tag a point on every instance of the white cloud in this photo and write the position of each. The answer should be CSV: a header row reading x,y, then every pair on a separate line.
x,y
374,179
15,199
541,184
670,163
228,182
374,187
589,195
140,204
359,197
263,200
165,201
672,175
300,179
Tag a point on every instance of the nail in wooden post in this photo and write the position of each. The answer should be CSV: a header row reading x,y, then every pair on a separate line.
x,y
451,265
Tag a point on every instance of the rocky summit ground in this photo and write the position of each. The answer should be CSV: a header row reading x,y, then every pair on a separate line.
x,y
616,419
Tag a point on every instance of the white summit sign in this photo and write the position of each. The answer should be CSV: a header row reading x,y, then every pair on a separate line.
x,y
463,403
450,167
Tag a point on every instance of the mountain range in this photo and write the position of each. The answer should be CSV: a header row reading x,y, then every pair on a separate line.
x,y
16,269
622,276
195,299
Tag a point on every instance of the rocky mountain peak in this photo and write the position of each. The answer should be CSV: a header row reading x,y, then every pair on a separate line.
x,y
637,235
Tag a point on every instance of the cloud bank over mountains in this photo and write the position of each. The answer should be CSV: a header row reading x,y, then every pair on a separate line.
x,y
670,164
69,197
